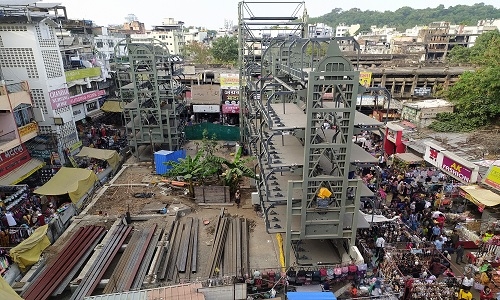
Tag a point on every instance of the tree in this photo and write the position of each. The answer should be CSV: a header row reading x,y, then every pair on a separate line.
x,y
225,50
198,52
235,169
476,95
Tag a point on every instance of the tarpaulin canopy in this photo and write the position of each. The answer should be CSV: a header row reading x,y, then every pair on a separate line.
x,y
480,196
112,106
111,156
311,296
73,181
27,253
7,292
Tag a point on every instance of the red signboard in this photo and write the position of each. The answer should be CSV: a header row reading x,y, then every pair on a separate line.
x,y
13,159
86,96
59,98
230,109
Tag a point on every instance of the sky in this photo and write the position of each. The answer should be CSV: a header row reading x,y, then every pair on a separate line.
x,y
212,13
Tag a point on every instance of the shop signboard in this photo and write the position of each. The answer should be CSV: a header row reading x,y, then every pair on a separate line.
x,y
73,75
230,109
59,98
86,96
431,155
455,169
206,108
492,178
78,112
206,93
27,129
75,146
91,106
230,95
422,91
13,159
391,135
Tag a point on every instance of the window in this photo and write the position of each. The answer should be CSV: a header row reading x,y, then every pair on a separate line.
x,y
111,44
23,114
99,44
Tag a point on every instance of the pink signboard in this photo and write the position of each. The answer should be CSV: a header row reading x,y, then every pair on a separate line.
x,y
86,96
230,109
59,98
455,169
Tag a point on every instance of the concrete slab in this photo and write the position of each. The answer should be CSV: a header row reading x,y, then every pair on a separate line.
x,y
316,252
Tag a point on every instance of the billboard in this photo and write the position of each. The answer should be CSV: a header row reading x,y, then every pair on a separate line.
x,y
230,109
492,178
365,78
451,164
86,96
229,95
73,75
230,81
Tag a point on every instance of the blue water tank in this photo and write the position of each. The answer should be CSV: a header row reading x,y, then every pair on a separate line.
x,y
163,156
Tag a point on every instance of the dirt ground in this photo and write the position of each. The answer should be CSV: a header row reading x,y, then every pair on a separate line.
x,y
118,197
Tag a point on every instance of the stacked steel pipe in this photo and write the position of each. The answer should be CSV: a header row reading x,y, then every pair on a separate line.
x,y
54,274
96,271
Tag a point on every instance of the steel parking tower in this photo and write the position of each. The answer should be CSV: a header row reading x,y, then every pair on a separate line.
x,y
298,115
150,94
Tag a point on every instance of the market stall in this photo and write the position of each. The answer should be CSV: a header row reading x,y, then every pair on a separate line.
x,y
103,162
73,183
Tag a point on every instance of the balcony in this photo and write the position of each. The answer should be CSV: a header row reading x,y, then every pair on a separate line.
x,y
8,140
12,95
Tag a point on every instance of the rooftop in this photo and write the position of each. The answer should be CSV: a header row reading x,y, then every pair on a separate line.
x,y
433,103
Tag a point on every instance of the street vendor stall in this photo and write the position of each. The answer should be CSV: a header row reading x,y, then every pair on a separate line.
x,y
110,157
74,182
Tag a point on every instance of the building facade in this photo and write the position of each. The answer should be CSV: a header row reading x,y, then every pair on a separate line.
x,y
170,33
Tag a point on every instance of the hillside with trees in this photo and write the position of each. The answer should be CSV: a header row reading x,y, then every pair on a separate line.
x,y
407,17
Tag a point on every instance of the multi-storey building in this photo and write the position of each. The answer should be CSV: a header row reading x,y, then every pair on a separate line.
x,y
196,35
320,30
170,33
17,126
29,49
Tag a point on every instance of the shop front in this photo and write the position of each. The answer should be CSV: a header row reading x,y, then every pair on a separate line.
x,y
206,113
453,165
16,165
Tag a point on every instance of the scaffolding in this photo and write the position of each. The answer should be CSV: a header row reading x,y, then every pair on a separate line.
x,y
151,95
298,117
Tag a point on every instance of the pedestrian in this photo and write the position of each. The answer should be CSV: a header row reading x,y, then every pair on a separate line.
x,y
237,198
460,254
379,244
486,294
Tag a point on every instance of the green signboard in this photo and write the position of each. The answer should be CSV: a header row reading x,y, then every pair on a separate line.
x,y
73,75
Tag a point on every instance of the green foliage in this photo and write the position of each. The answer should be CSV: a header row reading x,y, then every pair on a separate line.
x,y
206,164
225,49
484,53
199,53
477,101
407,17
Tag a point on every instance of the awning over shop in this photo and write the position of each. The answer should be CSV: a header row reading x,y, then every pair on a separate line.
x,y
111,156
112,106
310,296
7,292
21,173
480,196
409,158
27,253
73,181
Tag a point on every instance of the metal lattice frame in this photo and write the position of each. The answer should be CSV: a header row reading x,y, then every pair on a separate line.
x,y
293,69
150,94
